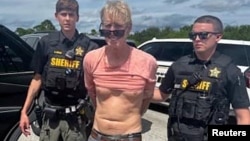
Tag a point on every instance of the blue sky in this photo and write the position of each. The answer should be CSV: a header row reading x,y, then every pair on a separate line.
x,y
146,13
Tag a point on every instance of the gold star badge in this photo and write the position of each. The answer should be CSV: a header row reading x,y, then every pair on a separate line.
x,y
215,72
79,51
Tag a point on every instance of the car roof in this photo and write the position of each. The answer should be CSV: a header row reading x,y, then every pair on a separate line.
x,y
223,41
10,35
35,35
10,39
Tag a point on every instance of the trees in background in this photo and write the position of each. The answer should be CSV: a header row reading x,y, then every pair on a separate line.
x,y
46,25
241,32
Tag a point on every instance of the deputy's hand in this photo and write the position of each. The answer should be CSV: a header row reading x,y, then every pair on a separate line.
x,y
24,124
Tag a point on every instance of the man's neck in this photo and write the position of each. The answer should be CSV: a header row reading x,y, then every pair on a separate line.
x,y
119,52
205,56
69,34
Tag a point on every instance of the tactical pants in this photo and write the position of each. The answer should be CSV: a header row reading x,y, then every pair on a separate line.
x,y
66,128
186,133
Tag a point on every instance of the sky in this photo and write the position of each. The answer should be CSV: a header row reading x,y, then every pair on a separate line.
x,y
145,13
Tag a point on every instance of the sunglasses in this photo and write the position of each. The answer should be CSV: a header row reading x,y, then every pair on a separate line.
x,y
202,35
107,33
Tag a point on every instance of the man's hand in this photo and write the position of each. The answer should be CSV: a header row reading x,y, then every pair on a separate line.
x,y
24,124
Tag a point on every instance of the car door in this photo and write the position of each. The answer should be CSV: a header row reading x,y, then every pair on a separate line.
x,y
166,52
15,76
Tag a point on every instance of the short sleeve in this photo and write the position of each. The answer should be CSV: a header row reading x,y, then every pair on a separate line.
x,y
88,73
236,88
39,58
167,83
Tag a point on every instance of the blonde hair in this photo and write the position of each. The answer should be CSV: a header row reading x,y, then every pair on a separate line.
x,y
117,10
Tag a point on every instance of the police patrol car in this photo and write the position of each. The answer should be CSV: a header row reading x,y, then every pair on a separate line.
x,y
166,51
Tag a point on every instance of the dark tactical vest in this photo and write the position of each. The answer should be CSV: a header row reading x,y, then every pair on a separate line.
x,y
63,70
203,101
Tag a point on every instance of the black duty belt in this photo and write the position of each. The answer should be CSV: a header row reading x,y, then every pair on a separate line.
x,y
126,137
189,121
63,109
61,112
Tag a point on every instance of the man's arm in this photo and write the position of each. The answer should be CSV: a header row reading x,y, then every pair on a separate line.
x,y
32,92
150,85
34,88
238,96
146,102
242,116
88,78
159,96
163,92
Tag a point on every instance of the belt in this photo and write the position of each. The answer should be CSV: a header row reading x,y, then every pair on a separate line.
x,y
60,112
63,109
127,137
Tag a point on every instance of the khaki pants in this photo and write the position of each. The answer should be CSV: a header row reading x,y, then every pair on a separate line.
x,y
68,128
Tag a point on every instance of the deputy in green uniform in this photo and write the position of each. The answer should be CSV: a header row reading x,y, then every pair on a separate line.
x,y
57,64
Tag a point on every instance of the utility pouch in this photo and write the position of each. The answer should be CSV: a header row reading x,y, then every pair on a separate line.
x,y
203,109
50,113
39,114
173,111
86,109
218,118
188,109
60,83
90,112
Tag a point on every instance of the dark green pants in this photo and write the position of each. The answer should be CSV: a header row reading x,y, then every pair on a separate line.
x,y
68,129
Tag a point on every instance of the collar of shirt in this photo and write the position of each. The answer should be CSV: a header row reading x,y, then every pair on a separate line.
x,y
195,60
65,40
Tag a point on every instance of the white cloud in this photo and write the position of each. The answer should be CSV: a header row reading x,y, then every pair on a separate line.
x,y
174,13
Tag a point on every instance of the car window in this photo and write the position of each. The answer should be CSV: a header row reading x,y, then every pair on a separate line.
x,y
32,41
10,61
239,53
168,51
171,51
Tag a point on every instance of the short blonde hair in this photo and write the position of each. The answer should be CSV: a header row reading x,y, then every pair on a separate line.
x,y
117,10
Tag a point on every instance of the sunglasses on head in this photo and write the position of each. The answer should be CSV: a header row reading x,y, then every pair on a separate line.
x,y
116,33
201,35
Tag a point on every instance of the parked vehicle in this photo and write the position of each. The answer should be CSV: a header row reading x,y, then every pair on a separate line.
x,y
15,76
166,51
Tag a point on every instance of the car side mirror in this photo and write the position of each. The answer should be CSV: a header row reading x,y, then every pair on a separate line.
x,y
247,77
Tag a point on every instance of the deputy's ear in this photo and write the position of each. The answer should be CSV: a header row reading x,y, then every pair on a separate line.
x,y
219,36
56,16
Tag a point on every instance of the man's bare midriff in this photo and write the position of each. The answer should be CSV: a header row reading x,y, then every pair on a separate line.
x,y
118,111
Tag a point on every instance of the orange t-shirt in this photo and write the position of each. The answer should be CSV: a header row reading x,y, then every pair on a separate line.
x,y
137,73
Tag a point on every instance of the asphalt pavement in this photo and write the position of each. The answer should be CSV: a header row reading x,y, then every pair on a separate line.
x,y
154,126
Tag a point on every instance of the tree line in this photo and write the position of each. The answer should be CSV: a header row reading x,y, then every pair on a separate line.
x,y
241,32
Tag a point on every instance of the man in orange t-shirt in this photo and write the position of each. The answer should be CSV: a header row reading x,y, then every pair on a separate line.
x,y
120,79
